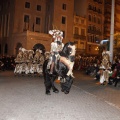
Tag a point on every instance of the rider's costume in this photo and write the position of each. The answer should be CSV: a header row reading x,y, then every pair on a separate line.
x,y
56,46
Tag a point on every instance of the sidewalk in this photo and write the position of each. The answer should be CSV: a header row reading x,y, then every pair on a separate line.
x,y
24,98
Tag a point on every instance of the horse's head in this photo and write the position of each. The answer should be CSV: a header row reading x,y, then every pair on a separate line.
x,y
69,50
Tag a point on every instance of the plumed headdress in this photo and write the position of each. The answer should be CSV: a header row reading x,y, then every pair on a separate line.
x,y
56,34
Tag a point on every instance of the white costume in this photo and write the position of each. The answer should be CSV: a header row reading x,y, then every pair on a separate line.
x,y
58,37
105,66
56,45
106,52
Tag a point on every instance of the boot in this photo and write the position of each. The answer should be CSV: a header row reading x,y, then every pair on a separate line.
x,y
70,73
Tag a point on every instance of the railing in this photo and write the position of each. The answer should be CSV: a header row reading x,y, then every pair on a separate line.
x,y
82,37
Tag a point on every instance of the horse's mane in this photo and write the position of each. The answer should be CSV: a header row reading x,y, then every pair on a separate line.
x,y
66,49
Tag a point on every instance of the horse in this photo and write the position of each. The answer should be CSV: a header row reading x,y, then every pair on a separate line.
x,y
59,70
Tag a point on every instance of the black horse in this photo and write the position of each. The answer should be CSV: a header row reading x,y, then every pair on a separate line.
x,y
60,69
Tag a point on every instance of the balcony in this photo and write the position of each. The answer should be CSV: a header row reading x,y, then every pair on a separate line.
x,y
94,32
82,37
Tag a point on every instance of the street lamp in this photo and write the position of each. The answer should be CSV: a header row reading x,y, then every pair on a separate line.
x,y
112,31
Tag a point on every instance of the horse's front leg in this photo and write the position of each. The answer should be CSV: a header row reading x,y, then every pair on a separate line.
x,y
48,84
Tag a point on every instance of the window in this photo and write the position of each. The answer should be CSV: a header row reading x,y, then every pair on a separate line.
x,y
38,20
89,48
0,7
89,7
76,30
90,18
94,18
82,21
64,6
77,20
7,5
26,18
83,32
63,20
99,22
6,49
0,48
91,38
88,38
27,5
38,7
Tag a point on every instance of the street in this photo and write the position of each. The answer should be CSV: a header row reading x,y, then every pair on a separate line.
x,y
24,98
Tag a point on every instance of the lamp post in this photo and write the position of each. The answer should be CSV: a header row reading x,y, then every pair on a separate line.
x,y
112,30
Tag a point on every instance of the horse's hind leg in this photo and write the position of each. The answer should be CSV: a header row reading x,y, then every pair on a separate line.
x,y
65,87
53,86
55,89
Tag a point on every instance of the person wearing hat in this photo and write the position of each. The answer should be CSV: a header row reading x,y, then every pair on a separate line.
x,y
56,46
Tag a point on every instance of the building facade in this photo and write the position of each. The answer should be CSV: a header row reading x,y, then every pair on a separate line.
x,y
93,11
107,18
27,22
79,32
117,28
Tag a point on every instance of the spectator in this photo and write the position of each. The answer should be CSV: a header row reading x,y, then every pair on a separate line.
x,y
80,63
114,64
117,78
112,77
118,65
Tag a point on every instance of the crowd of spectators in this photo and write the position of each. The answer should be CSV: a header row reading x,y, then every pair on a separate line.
x,y
91,66
7,63
86,62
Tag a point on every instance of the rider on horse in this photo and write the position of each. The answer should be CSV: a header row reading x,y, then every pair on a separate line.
x,y
56,47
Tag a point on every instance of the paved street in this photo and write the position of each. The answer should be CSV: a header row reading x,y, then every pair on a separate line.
x,y
23,98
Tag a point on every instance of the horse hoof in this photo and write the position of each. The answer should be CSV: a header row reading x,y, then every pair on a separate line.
x,y
56,91
62,90
48,92
66,92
